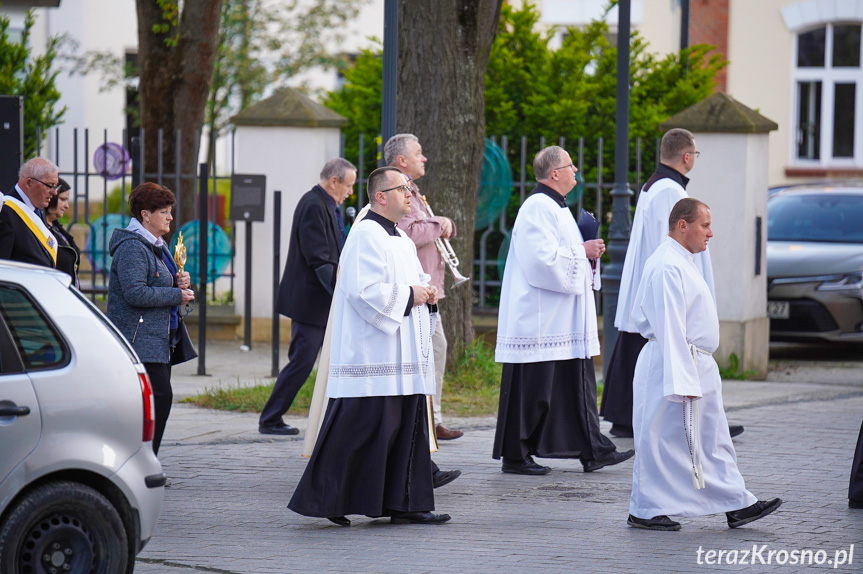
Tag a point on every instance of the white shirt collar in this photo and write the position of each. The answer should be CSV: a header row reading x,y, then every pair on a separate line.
x,y
25,198
690,256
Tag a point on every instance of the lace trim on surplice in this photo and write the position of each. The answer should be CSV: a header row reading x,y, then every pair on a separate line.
x,y
571,272
389,307
524,345
378,370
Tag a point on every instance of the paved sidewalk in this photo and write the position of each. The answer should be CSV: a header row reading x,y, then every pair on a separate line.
x,y
225,511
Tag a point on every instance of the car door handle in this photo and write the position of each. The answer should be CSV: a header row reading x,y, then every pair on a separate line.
x,y
14,411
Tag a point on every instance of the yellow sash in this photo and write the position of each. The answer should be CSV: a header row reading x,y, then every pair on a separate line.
x,y
37,227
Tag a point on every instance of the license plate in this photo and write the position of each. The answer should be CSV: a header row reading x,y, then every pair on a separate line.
x,y
778,309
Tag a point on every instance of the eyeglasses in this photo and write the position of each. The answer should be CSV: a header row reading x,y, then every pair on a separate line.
x,y
48,185
406,189
571,165
695,153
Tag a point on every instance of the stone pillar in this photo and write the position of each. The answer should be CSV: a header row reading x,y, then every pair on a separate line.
x,y
731,177
288,137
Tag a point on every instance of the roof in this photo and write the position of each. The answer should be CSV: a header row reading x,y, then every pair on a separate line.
x,y
288,107
720,113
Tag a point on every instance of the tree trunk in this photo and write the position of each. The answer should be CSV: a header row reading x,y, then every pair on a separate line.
x,y
443,51
176,65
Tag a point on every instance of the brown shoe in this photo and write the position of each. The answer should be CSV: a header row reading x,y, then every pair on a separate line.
x,y
443,433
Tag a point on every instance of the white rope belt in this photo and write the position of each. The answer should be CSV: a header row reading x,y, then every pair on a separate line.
x,y
692,426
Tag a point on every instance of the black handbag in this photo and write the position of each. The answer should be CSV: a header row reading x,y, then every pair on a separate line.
x,y
182,349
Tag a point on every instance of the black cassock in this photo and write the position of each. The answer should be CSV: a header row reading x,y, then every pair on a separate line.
x,y
548,409
617,390
855,488
371,457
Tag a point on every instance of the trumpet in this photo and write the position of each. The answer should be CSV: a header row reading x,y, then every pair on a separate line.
x,y
448,253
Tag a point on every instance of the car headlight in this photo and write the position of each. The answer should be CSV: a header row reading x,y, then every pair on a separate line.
x,y
849,282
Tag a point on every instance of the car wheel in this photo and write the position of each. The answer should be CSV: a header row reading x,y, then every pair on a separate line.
x,y
63,527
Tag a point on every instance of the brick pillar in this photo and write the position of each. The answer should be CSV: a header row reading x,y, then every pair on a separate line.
x,y
708,24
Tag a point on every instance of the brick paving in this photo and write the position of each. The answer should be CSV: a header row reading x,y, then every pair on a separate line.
x,y
225,511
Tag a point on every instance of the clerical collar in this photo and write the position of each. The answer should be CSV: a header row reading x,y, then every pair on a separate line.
x,y
388,225
542,188
663,172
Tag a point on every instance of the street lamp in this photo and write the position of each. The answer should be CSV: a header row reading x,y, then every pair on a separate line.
x,y
621,220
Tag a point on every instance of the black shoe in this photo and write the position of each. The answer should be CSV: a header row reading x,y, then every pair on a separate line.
x,y
278,428
735,430
858,504
758,510
655,523
340,520
621,431
418,518
444,477
608,460
526,466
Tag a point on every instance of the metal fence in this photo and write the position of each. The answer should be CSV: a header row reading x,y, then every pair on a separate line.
x,y
593,161
73,152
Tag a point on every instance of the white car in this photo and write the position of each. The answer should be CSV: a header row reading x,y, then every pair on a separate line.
x,y
80,487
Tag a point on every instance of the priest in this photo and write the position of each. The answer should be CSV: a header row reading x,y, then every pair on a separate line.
x,y
686,464
372,454
547,334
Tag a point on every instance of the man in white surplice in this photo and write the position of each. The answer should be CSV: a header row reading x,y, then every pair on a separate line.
x,y
685,463
667,186
372,452
547,335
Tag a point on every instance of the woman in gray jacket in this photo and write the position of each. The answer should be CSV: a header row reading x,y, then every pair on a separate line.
x,y
146,290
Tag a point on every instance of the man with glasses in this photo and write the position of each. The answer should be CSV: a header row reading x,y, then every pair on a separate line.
x,y
667,186
372,454
547,334
24,234
404,152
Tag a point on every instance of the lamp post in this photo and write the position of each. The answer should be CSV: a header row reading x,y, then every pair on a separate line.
x,y
621,220
391,47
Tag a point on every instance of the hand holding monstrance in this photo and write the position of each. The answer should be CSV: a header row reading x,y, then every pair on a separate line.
x,y
184,282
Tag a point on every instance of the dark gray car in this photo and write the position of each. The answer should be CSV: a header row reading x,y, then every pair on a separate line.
x,y
815,263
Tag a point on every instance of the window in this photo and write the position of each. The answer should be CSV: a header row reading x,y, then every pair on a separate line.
x,y
829,114
38,343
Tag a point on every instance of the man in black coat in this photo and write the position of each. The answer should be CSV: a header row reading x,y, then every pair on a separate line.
x,y
24,235
306,289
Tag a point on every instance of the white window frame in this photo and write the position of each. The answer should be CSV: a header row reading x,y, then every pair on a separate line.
x,y
805,16
829,77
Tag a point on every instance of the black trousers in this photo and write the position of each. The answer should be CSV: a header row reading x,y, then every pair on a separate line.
x,y
163,397
617,392
548,409
306,341
855,488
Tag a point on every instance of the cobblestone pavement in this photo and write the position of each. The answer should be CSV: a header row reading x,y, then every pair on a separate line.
x,y
225,511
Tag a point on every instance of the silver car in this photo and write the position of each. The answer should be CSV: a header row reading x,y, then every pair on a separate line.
x,y
80,487
815,263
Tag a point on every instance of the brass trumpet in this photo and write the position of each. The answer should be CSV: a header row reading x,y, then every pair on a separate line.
x,y
448,253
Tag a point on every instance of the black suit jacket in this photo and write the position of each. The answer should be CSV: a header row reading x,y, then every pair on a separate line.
x,y
17,242
306,289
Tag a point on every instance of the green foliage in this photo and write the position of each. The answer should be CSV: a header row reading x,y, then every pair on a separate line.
x,y
534,91
732,371
360,101
251,399
21,74
170,24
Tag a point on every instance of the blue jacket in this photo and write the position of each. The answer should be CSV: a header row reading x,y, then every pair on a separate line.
x,y
141,295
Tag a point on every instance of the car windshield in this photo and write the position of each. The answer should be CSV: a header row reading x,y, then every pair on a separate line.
x,y
834,218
